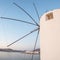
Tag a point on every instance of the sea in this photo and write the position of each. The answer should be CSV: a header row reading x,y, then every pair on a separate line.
x,y
18,56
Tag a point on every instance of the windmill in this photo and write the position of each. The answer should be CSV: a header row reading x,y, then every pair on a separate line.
x,y
50,35
35,23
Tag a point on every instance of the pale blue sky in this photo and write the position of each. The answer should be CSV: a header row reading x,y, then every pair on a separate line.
x,y
12,30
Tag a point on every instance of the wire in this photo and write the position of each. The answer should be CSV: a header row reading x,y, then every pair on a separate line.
x,y
23,37
26,13
36,11
35,44
18,20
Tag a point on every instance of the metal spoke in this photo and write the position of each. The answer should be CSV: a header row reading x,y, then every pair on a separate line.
x,y
23,37
36,40
18,20
26,13
36,10
35,44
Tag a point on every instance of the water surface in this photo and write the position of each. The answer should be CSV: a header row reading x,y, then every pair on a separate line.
x,y
17,56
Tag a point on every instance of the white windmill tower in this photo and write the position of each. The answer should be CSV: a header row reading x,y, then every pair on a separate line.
x,y
50,35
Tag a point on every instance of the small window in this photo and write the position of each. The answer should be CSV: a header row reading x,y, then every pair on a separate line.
x,y
49,16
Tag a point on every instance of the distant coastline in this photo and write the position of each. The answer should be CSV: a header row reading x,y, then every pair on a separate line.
x,y
36,51
9,50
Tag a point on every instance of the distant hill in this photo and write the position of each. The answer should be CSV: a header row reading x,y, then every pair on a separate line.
x,y
10,50
21,51
38,49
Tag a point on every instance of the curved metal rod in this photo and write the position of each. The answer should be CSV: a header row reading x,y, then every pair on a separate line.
x,y
36,11
18,20
26,13
23,37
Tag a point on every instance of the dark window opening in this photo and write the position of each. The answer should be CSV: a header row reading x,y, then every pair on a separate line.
x,y
49,16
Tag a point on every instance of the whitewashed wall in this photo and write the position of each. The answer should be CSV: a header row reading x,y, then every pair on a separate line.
x,y
50,36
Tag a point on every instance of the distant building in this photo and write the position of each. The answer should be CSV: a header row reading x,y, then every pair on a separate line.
x,y
32,52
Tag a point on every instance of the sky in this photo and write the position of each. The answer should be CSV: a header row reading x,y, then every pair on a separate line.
x,y
12,30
